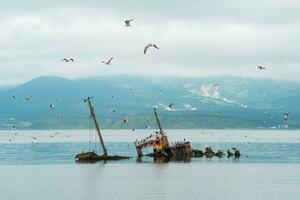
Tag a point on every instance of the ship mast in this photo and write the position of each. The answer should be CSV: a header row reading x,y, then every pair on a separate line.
x,y
158,122
93,115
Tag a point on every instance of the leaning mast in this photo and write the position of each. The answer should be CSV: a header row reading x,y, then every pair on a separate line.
x,y
93,115
158,122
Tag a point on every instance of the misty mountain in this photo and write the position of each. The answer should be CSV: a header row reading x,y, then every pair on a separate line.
x,y
211,102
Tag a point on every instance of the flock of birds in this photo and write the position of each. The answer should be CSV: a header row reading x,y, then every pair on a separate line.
x,y
109,61
125,119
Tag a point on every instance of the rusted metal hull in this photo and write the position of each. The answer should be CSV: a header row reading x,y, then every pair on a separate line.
x,y
178,152
91,157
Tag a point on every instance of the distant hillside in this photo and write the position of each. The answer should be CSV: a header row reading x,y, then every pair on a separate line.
x,y
213,102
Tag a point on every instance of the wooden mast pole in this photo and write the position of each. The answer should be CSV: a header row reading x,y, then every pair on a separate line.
x,y
157,121
93,115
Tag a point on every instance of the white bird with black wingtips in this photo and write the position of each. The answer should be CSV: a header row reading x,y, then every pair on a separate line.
x,y
127,22
108,62
148,46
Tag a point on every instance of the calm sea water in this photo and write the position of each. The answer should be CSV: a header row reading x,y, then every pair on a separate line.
x,y
40,165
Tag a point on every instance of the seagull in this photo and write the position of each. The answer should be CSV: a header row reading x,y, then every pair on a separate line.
x,y
51,106
112,110
131,88
133,129
286,116
28,99
67,60
170,105
108,62
148,46
216,85
125,119
127,22
261,67
33,137
57,99
14,97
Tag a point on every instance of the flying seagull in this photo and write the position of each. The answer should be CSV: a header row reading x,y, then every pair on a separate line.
x,y
28,99
51,106
125,119
112,110
261,67
67,60
127,22
286,116
170,105
148,46
108,62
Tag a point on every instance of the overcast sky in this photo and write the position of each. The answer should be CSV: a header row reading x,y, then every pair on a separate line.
x,y
196,38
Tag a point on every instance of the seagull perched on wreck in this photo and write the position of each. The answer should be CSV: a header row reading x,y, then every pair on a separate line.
x,y
261,67
108,62
148,46
127,22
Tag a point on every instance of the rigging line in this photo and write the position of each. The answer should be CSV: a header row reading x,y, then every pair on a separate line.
x,y
90,133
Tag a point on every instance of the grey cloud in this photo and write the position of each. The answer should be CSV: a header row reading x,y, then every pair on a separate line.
x,y
196,38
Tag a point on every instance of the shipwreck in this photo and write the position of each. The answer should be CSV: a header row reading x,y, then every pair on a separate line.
x,y
92,156
162,150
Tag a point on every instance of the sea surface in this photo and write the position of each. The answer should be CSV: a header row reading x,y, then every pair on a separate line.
x,y
40,165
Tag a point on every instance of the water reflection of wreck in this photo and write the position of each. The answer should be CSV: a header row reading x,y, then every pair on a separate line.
x,y
162,150
93,156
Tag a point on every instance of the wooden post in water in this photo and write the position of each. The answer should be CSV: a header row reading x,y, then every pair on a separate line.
x,y
93,115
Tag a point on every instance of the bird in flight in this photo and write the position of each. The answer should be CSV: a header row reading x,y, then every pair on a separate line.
x,y
286,116
171,105
261,67
147,126
148,46
108,62
125,119
112,110
28,99
127,22
67,60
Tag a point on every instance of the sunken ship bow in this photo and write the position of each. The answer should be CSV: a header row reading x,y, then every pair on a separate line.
x,y
161,146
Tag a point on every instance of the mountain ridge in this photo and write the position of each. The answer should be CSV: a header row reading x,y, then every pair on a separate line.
x,y
238,102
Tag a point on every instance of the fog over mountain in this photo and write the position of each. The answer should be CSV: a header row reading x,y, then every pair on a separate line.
x,y
211,102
